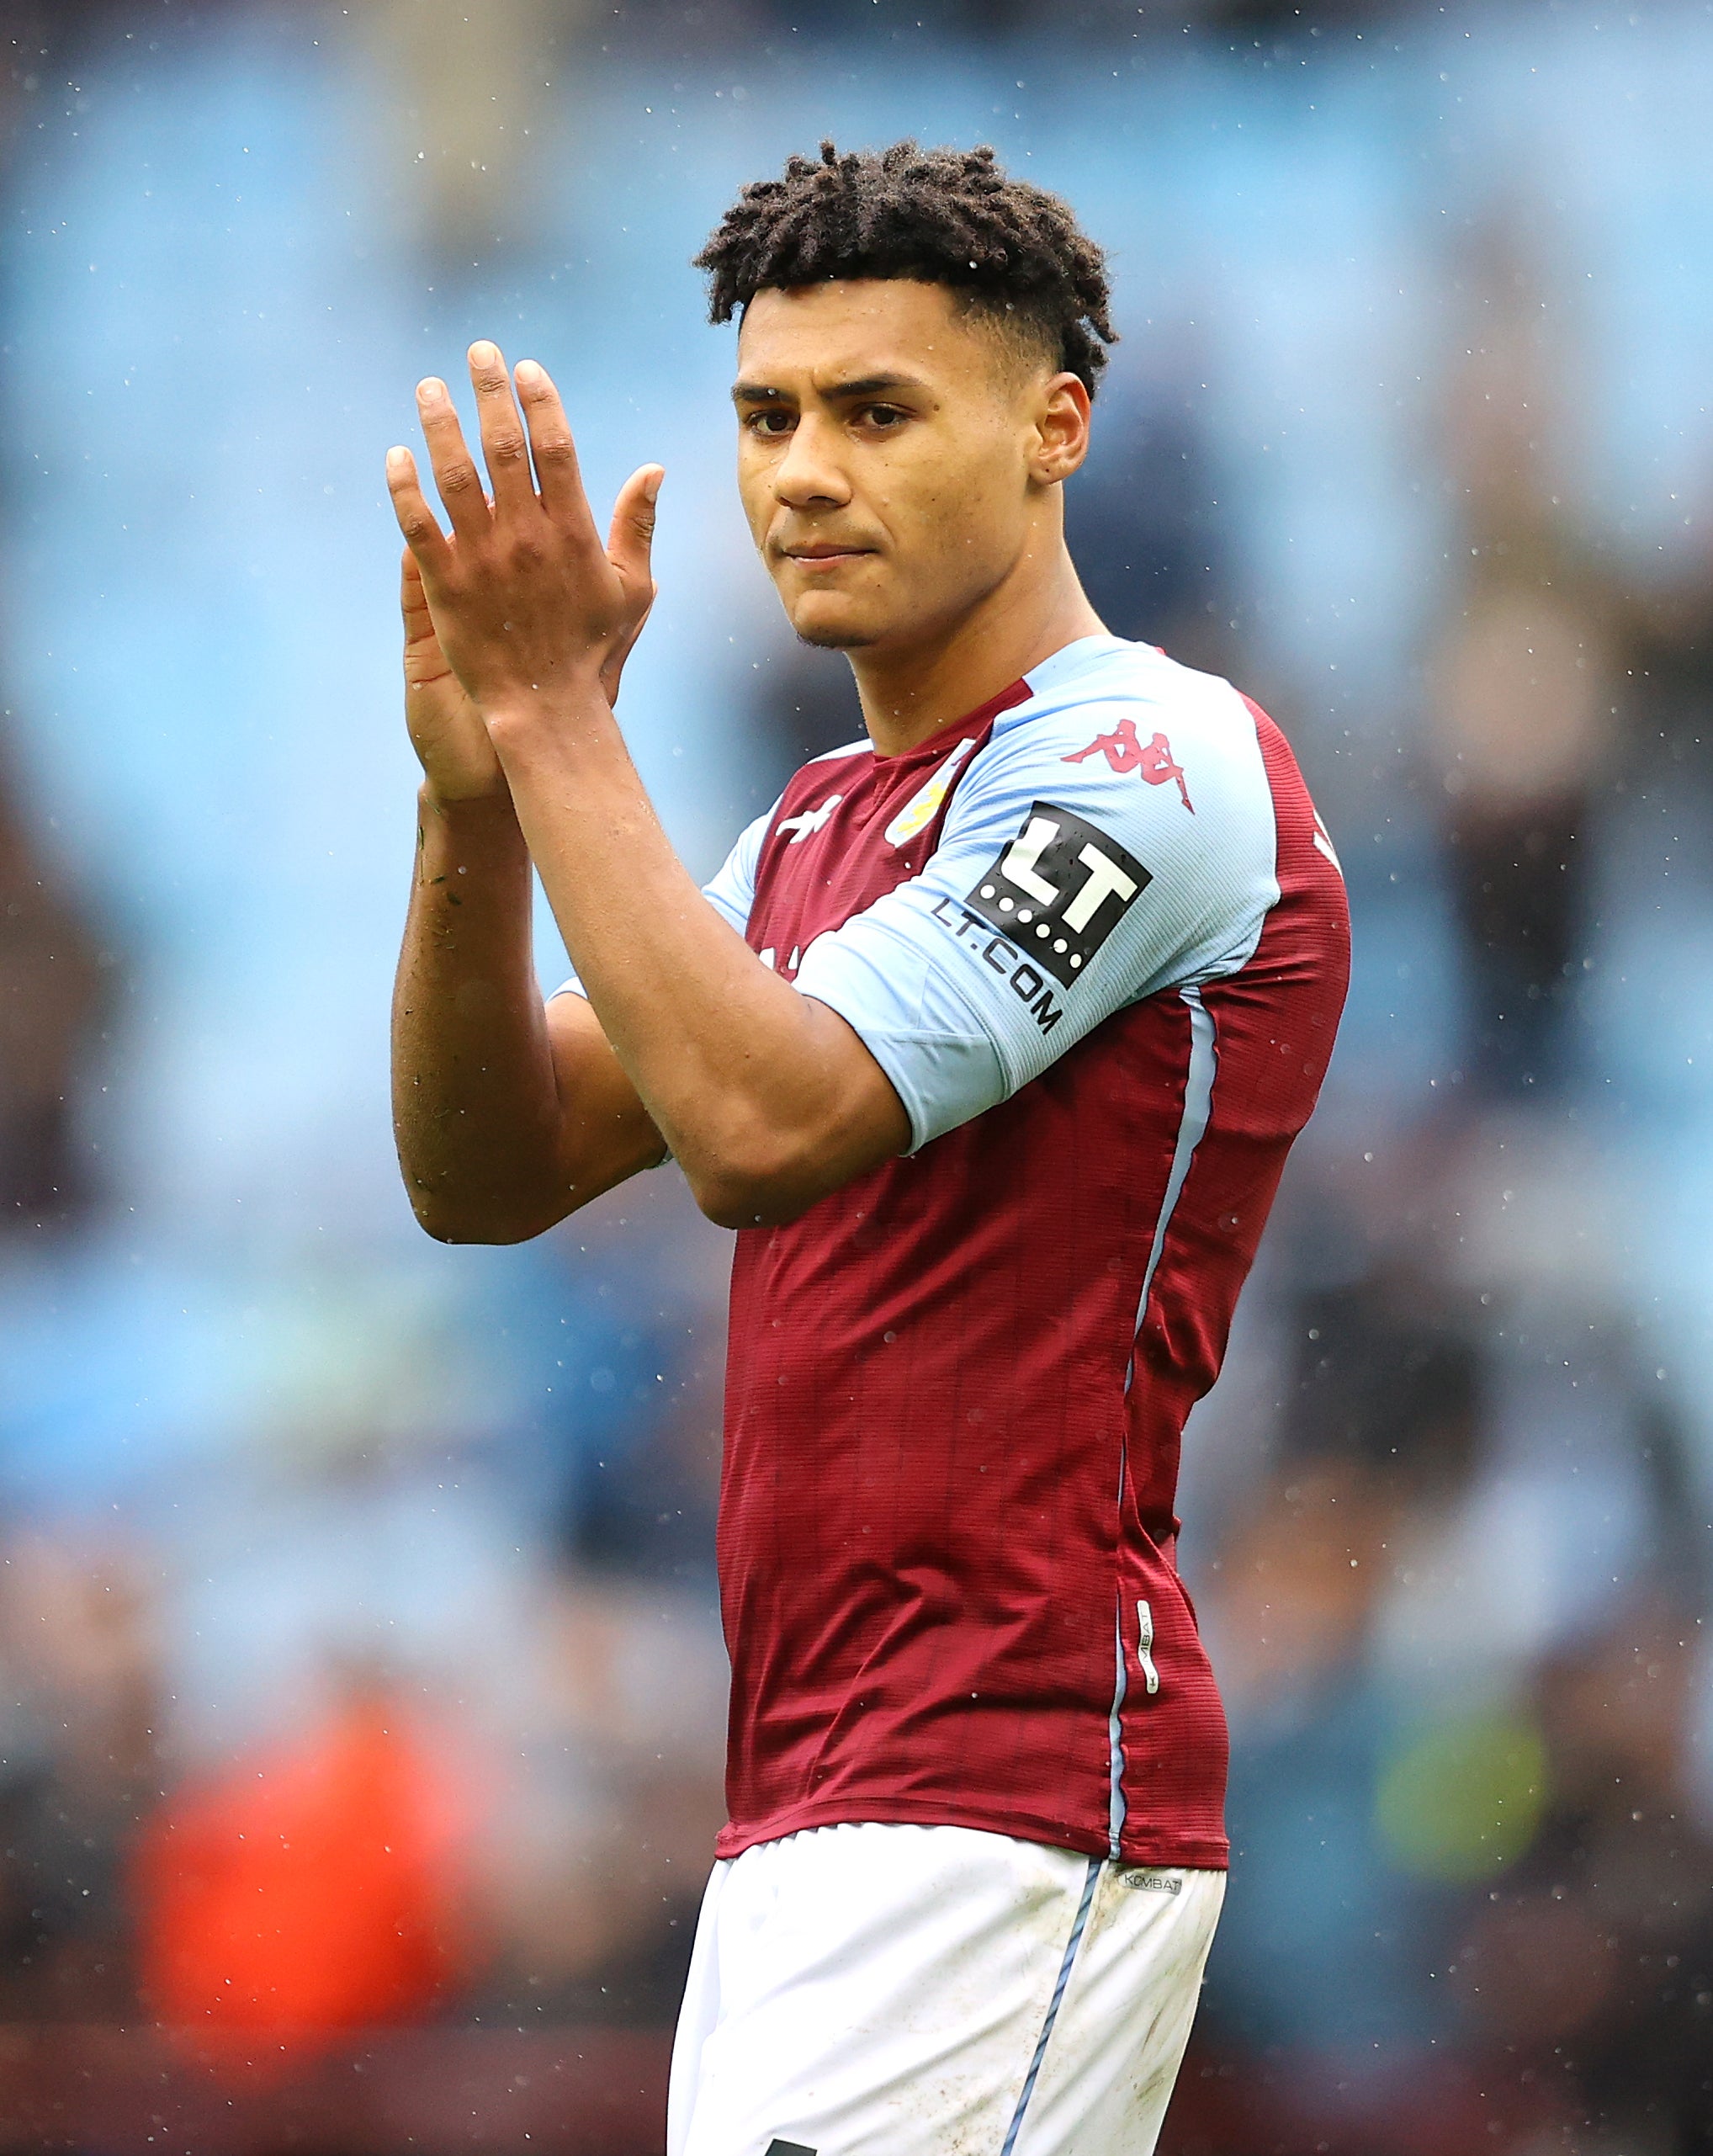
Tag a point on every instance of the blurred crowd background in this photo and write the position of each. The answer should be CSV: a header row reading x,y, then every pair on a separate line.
x,y
360,1675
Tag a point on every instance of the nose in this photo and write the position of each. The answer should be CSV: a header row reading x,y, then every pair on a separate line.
x,y
811,474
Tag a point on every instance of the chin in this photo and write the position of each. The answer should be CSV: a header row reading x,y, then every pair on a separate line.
x,y
829,639
833,629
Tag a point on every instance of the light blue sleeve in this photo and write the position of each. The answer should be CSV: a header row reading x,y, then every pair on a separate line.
x,y
732,892
1089,860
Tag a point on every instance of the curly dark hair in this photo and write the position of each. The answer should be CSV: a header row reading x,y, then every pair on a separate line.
x,y
950,217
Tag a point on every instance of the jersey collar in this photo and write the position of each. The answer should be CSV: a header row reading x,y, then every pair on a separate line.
x,y
961,730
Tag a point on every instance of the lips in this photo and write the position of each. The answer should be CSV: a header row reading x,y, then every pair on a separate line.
x,y
823,550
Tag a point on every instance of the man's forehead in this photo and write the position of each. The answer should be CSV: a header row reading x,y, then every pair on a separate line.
x,y
851,329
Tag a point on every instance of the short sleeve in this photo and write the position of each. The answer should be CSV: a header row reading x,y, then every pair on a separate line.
x,y
1091,856
732,892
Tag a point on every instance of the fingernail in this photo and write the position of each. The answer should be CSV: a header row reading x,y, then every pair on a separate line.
x,y
397,460
531,371
429,388
482,353
651,485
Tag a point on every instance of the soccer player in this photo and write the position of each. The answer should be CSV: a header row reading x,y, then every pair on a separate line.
x,y
990,1039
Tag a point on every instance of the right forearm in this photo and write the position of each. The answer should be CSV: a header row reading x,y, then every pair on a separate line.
x,y
475,1110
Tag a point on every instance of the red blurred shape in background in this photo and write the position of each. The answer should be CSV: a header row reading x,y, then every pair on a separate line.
x,y
305,1891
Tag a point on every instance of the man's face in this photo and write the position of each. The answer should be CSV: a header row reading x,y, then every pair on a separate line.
x,y
890,457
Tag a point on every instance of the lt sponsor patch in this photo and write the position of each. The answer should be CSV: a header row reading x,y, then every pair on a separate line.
x,y
1059,889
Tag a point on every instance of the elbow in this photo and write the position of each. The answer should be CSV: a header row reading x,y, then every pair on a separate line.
x,y
763,1185
756,1173
729,1204
464,1223
456,1231
469,1235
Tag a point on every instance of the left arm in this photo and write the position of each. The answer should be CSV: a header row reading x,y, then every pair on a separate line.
x,y
768,1099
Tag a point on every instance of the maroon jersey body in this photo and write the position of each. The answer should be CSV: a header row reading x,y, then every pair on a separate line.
x,y
957,1387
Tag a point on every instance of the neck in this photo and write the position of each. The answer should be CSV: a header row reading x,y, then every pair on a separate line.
x,y
909,693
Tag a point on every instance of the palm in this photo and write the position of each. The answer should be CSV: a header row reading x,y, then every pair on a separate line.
x,y
508,607
445,727
444,724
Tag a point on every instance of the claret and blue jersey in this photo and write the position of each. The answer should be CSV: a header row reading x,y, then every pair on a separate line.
x,y
1097,939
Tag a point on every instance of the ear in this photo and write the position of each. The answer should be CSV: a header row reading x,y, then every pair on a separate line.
x,y
1062,429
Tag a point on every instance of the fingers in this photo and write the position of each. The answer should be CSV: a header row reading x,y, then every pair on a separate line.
x,y
455,473
425,662
423,536
413,600
556,471
505,446
631,540
508,444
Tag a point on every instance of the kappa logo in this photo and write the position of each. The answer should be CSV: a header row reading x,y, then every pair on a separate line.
x,y
1058,890
1124,751
811,821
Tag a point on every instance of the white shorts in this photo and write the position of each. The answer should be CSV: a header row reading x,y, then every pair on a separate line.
x,y
912,1991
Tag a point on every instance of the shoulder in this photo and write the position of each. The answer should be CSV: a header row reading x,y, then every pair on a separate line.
x,y
1105,707
1166,759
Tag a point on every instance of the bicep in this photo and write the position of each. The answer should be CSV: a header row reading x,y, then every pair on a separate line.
x,y
869,1123
606,1135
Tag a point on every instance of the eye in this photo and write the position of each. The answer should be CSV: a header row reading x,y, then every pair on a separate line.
x,y
887,417
769,422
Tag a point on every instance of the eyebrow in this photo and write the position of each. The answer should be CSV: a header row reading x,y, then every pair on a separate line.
x,y
840,392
